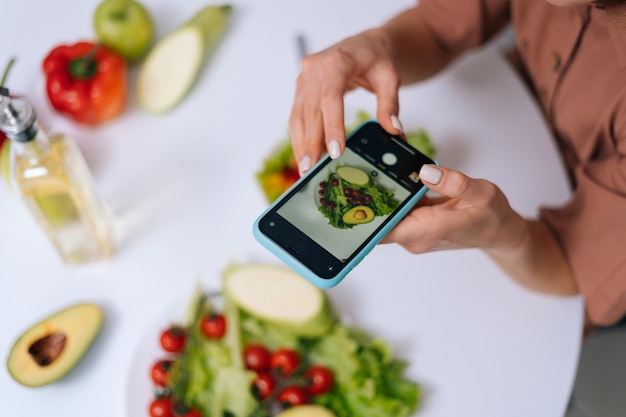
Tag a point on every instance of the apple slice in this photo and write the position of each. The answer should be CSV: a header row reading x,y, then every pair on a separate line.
x,y
354,175
279,295
311,410
172,66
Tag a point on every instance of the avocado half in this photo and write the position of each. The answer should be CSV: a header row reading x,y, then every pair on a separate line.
x,y
358,215
51,348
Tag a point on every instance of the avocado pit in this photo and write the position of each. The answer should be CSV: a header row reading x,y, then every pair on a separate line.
x,y
46,350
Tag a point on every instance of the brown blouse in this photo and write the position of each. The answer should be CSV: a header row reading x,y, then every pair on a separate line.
x,y
576,66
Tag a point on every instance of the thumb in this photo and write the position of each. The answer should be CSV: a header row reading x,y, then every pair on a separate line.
x,y
451,183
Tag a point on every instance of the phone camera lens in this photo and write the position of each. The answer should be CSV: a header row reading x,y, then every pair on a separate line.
x,y
364,141
374,173
330,268
390,159
271,224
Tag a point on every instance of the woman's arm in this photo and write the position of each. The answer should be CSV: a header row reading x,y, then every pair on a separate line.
x,y
536,261
416,52
474,213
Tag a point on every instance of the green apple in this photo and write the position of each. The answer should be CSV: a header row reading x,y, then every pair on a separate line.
x,y
124,26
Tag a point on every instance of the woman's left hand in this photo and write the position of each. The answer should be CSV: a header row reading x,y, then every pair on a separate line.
x,y
469,213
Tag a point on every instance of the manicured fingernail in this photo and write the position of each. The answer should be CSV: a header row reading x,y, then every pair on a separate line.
x,y
431,174
304,165
334,149
395,122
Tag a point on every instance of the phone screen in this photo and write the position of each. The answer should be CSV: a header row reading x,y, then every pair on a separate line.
x,y
336,210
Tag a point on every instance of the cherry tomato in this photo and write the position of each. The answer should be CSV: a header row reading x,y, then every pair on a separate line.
x,y
263,385
285,361
161,407
256,358
293,396
173,339
320,379
159,372
213,325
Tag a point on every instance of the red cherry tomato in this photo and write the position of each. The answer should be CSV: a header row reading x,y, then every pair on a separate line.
x,y
320,379
161,407
158,373
263,385
285,361
173,339
293,396
213,325
256,358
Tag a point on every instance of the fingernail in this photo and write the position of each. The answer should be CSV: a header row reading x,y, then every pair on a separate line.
x,y
304,165
395,122
431,174
334,149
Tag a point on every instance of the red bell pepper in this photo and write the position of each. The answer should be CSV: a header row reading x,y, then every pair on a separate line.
x,y
86,82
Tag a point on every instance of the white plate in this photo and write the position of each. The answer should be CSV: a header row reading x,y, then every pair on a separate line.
x,y
140,389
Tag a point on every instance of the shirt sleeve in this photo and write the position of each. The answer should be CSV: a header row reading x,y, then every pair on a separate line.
x,y
464,24
591,229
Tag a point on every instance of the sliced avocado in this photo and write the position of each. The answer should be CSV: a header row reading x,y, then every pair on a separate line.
x,y
354,175
307,411
358,215
51,348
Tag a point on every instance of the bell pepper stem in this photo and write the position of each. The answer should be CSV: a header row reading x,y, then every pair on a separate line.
x,y
85,67
7,69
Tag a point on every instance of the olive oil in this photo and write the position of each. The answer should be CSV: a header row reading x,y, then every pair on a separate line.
x,y
57,188
54,181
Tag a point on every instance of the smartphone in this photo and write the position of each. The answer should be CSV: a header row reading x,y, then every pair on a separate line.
x,y
326,223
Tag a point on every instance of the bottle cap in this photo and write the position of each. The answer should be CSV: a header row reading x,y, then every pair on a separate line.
x,y
17,117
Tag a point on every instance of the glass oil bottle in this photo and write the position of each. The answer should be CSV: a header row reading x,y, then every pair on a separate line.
x,y
51,175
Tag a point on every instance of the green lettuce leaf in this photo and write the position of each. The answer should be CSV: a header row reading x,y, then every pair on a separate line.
x,y
208,375
369,381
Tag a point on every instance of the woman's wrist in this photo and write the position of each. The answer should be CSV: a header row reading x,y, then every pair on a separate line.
x,y
532,256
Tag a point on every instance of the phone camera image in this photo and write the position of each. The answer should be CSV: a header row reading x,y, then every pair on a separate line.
x,y
342,207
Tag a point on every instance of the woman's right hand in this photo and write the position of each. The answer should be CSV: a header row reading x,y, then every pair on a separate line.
x,y
317,116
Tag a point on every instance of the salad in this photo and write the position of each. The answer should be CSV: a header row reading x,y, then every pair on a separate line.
x,y
348,197
270,344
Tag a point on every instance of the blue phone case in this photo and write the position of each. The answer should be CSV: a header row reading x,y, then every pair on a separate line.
x,y
300,268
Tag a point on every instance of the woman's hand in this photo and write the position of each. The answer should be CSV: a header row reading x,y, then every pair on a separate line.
x,y
474,213
470,213
316,120
402,51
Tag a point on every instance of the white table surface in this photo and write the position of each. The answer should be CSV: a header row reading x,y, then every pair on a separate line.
x,y
183,190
